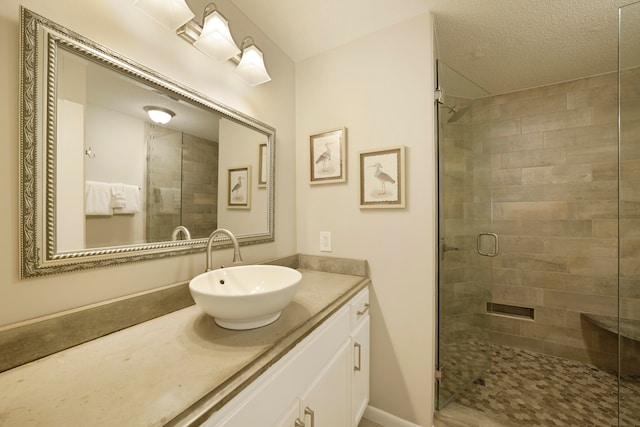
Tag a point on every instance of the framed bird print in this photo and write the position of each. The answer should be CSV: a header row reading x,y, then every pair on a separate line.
x,y
262,165
382,178
239,187
328,157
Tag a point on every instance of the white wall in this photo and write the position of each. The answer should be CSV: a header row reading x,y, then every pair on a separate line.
x,y
381,88
122,27
118,143
239,147
70,180
69,149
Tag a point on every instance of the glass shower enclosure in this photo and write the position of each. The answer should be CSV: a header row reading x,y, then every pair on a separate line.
x,y
545,222
465,235
629,213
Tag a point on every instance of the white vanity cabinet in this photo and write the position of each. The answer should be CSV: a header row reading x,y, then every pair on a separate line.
x,y
326,402
360,355
315,383
291,416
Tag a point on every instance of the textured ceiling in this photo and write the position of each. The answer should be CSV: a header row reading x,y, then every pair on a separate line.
x,y
502,45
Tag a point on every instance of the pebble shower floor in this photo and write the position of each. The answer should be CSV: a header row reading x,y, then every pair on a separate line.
x,y
533,389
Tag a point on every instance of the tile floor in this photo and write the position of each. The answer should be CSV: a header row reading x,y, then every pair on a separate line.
x,y
456,415
524,388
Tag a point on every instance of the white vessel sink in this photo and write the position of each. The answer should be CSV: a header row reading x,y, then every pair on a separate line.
x,y
245,297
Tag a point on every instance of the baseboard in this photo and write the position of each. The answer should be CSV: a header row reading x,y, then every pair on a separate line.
x,y
385,419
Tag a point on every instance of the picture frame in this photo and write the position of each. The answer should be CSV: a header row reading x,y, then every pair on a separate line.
x,y
239,187
328,157
382,178
262,166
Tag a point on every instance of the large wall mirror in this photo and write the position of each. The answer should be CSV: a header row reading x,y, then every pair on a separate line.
x,y
102,183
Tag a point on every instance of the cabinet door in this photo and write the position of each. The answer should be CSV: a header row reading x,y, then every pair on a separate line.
x,y
268,400
326,402
290,417
360,371
359,308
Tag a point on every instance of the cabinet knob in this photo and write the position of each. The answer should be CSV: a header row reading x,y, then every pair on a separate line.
x,y
308,411
358,365
363,311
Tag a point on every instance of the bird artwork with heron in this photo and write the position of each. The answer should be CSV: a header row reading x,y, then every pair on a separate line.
x,y
324,158
237,187
383,177
327,156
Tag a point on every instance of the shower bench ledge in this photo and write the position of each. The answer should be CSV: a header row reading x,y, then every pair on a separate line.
x,y
629,328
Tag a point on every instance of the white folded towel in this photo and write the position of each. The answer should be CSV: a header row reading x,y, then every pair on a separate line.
x,y
118,198
128,200
97,197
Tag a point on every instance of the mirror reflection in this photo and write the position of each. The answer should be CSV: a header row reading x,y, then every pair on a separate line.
x,y
104,180
130,180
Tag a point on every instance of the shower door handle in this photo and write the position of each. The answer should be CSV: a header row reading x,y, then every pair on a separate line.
x,y
495,246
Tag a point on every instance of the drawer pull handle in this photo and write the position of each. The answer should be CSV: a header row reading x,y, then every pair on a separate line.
x,y
308,411
299,423
358,366
364,310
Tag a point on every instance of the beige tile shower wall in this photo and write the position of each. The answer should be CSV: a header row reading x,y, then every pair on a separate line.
x,y
554,191
459,294
183,185
164,157
199,186
465,278
630,194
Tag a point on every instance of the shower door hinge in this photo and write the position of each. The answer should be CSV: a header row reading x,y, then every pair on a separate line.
x,y
439,96
440,374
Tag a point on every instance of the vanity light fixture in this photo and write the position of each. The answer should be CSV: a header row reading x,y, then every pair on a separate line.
x,y
251,66
172,14
213,38
159,115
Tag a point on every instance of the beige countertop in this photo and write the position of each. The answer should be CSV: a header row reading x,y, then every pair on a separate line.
x,y
175,369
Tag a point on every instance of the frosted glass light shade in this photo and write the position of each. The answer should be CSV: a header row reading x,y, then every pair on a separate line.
x,y
172,14
159,115
215,39
251,67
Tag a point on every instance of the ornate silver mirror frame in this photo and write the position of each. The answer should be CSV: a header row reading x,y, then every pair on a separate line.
x,y
40,40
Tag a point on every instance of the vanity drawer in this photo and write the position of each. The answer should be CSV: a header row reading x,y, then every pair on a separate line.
x,y
269,398
359,308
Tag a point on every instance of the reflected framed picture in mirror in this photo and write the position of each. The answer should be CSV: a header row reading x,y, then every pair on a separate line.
x,y
262,165
239,187
328,157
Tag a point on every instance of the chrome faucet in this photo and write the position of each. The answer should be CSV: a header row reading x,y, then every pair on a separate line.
x,y
237,259
177,230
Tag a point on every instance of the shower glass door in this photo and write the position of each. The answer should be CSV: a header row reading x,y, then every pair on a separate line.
x,y
629,211
464,275
164,180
